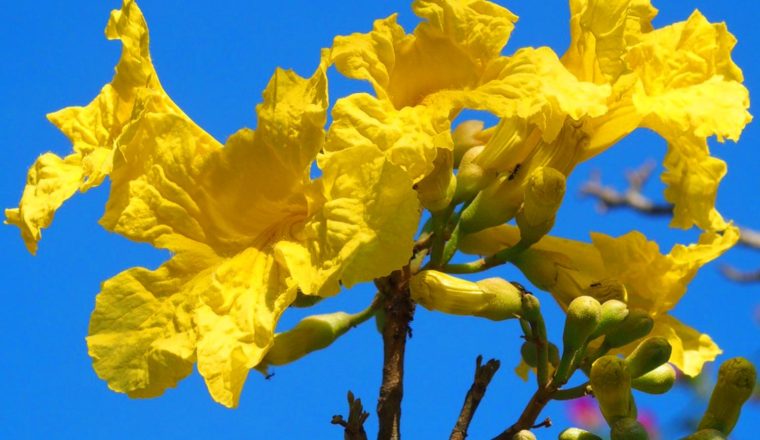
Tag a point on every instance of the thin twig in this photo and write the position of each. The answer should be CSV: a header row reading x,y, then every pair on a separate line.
x,y
527,419
483,376
399,311
609,198
353,429
740,276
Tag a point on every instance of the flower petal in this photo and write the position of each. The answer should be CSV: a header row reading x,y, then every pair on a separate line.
x,y
409,137
236,319
93,129
141,336
656,282
362,229
479,27
533,85
692,177
449,51
173,178
50,182
691,349
601,31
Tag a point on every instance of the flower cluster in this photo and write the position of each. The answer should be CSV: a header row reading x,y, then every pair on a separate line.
x,y
252,232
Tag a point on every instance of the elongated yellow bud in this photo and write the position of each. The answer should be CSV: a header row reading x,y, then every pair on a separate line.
x,y
635,326
492,298
658,381
611,383
466,136
472,177
706,434
544,191
628,428
648,355
578,434
736,381
613,313
311,334
437,189
510,145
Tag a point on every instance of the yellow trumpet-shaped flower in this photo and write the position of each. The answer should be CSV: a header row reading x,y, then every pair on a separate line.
x,y
679,81
246,225
451,61
654,282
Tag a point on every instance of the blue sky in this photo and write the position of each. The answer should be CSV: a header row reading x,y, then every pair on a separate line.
x,y
214,58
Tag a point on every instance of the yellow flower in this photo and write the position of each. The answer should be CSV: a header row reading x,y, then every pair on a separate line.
x,y
654,282
451,61
246,226
679,81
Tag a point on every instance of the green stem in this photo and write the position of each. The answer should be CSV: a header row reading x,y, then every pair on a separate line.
x,y
366,314
572,393
538,328
501,257
439,222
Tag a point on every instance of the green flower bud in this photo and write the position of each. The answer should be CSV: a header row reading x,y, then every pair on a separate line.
x,y
529,353
466,136
650,354
531,308
706,434
492,298
606,290
496,204
628,428
471,177
578,434
583,316
544,191
613,313
611,383
437,189
736,381
311,334
635,326
658,381
524,435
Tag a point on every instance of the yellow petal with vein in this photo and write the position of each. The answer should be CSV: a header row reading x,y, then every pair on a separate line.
x,y
49,183
691,349
236,318
601,31
362,227
409,137
141,336
93,129
448,51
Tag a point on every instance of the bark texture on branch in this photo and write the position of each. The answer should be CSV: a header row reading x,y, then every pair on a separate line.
x,y
353,429
483,376
399,311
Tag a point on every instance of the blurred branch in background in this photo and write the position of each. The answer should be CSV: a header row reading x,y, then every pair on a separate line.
x,y
633,198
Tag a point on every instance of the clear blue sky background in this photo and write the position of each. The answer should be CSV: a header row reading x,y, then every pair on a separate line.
x,y
214,58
